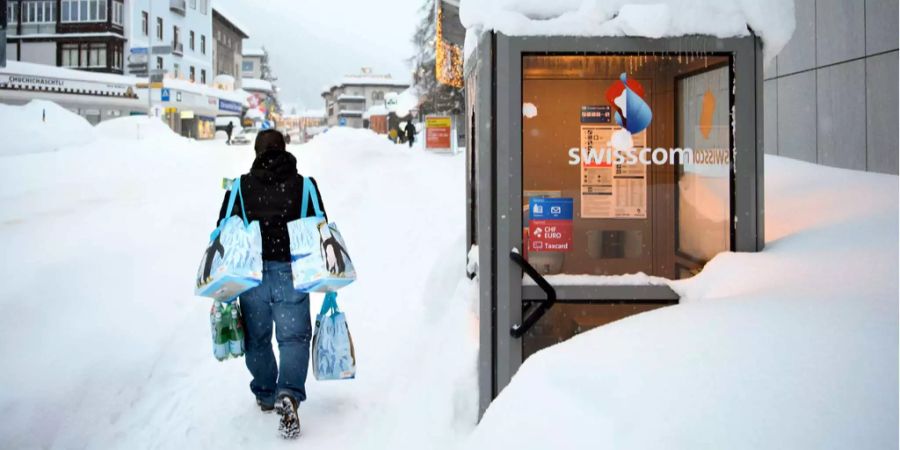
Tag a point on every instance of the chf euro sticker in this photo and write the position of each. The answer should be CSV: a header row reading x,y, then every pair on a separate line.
x,y
550,224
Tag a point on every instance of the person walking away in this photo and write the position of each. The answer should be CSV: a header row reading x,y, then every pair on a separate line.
x,y
272,193
228,130
410,130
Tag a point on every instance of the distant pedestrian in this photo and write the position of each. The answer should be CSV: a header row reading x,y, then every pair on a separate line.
x,y
228,130
410,130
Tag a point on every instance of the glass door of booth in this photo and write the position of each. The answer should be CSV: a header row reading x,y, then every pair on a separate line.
x,y
605,189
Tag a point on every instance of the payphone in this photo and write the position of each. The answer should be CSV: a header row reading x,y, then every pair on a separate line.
x,y
571,236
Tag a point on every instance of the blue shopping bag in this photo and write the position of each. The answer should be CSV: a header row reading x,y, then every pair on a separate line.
x,y
232,261
319,258
333,357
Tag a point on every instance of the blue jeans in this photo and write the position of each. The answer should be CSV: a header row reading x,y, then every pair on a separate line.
x,y
276,300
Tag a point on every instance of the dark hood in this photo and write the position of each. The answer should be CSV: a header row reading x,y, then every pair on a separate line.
x,y
274,166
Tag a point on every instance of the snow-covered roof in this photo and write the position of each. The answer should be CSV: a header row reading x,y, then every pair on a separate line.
x,y
375,110
352,80
203,89
230,19
223,78
403,102
255,84
24,68
253,52
772,20
349,97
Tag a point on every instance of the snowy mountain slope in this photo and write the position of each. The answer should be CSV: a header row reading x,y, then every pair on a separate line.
x,y
794,347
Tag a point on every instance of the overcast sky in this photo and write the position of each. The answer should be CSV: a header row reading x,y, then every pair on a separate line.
x,y
313,42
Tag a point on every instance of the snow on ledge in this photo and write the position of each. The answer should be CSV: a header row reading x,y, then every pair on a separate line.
x,y
772,20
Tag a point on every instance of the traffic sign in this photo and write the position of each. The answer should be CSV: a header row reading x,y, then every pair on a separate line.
x,y
165,94
139,51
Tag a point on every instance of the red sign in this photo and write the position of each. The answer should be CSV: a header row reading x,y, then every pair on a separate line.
x,y
437,133
549,235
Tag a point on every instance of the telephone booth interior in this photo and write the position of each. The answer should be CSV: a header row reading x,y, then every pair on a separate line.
x,y
567,243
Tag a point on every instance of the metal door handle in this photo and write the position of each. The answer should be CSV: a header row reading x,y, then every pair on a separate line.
x,y
533,314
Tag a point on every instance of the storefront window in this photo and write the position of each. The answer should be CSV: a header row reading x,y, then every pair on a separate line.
x,y
609,186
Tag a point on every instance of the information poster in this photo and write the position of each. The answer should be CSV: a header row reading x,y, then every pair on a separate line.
x,y
550,224
438,131
610,190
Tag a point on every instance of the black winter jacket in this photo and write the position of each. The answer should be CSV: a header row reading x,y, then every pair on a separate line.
x,y
272,194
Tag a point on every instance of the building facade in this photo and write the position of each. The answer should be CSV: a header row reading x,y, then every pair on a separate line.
x,y
181,33
347,100
228,48
254,62
79,34
831,95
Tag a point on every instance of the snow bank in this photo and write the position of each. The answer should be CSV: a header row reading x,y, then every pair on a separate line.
x,y
794,347
138,128
41,126
772,20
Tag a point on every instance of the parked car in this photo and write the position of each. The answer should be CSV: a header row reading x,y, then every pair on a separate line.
x,y
245,136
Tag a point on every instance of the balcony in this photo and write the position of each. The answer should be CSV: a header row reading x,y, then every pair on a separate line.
x,y
179,6
178,48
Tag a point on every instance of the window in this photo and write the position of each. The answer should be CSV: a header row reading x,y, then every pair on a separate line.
x,y
193,4
145,23
83,10
117,58
159,28
11,15
191,40
377,96
203,6
177,69
118,16
70,55
159,63
101,16
97,55
37,12
203,76
193,74
175,36
247,66
202,44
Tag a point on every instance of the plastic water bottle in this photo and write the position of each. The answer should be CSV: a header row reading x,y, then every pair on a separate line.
x,y
236,344
219,332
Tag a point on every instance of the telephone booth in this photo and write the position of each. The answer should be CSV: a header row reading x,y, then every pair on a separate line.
x,y
569,240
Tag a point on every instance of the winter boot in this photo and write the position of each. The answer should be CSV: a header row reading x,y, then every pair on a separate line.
x,y
286,407
264,407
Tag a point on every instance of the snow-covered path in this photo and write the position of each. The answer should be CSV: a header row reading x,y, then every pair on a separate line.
x,y
106,347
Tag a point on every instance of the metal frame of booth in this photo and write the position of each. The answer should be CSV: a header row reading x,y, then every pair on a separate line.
x,y
494,182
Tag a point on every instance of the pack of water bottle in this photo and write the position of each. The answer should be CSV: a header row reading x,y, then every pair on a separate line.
x,y
227,327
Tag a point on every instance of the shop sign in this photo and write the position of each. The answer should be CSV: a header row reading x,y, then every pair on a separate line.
x,y
229,106
550,224
65,86
438,133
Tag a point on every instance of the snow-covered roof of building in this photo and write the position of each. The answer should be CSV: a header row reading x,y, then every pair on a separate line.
x,y
253,52
360,80
352,98
255,84
772,20
228,17
203,89
375,110
24,68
